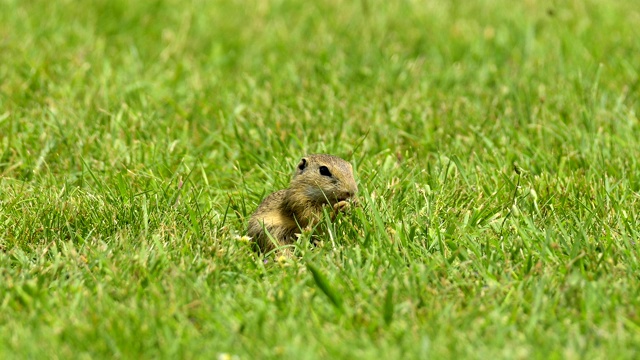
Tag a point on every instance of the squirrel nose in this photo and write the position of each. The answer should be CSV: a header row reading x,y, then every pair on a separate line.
x,y
351,193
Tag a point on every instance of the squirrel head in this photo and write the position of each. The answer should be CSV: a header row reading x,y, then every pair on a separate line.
x,y
323,179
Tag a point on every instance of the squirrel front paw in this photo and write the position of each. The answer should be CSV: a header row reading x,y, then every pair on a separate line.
x,y
341,206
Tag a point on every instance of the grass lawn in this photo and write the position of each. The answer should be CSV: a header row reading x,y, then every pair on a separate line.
x,y
496,146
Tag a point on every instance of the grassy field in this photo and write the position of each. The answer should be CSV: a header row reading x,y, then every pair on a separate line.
x,y
496,145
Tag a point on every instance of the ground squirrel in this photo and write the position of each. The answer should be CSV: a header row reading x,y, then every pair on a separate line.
x,y
318,180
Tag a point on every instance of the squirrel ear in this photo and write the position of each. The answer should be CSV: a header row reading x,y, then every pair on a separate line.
x,y
303,164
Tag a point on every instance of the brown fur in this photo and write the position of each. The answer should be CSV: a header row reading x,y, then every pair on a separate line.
x,y
285,213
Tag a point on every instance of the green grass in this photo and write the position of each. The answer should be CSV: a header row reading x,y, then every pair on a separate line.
x,y
136,138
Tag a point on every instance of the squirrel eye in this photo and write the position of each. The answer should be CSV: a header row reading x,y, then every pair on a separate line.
x,y
325,171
